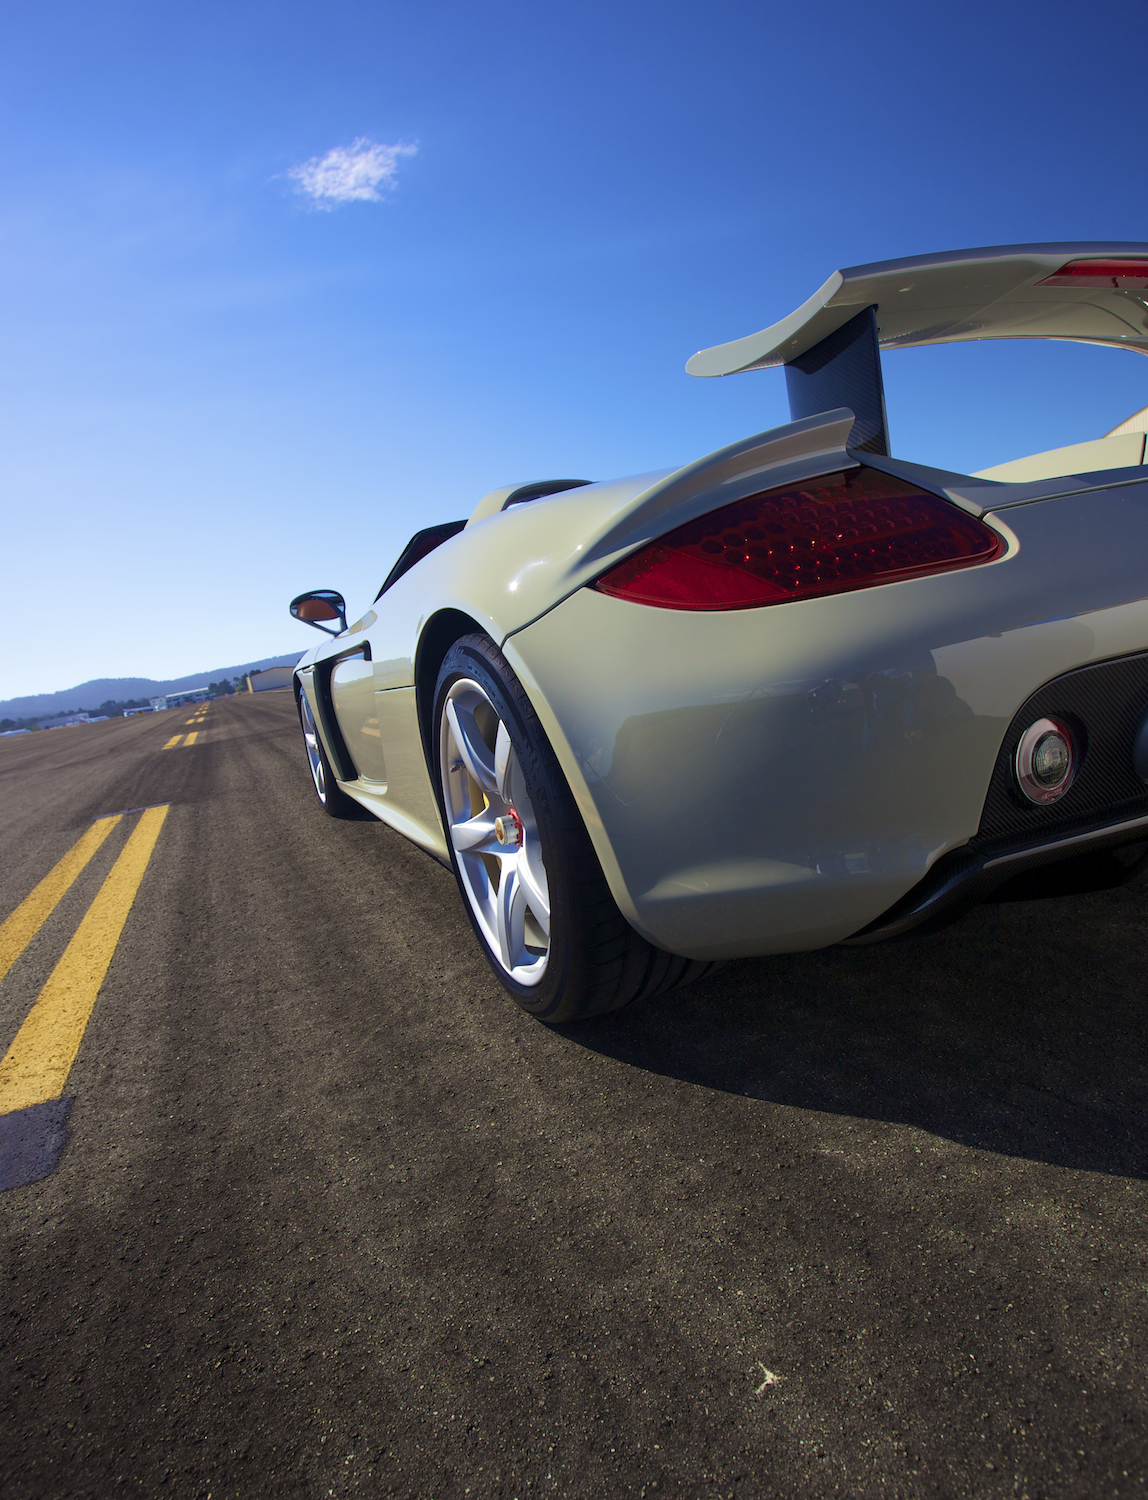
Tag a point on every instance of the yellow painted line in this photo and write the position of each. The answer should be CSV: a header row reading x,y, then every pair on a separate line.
x,y
173,742
191,721
191,737
21,927
36,1066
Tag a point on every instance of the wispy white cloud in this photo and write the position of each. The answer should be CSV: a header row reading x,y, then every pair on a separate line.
x,y
359,173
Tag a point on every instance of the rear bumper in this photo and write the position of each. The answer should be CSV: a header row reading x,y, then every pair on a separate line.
x,y
772,780
1106,807
963,879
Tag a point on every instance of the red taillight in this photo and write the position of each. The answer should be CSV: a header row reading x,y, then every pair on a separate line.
x,y
1123,275
843,531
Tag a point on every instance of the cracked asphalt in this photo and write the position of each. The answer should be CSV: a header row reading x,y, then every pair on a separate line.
x,y
332,1217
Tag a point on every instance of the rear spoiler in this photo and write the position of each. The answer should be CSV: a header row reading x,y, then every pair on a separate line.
x,y
1091,292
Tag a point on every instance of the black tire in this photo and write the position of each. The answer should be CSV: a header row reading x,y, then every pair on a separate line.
x,y
596,961
332,798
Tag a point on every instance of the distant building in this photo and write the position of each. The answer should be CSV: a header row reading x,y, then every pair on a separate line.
x,y
271,677
65,721
177,700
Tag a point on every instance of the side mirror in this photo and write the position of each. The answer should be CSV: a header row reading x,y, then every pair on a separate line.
x,y
320,604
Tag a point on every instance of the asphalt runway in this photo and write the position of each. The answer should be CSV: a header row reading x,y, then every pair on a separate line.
x,y
330,1216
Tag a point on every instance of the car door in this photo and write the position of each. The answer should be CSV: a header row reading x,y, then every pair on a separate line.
x,y
408,795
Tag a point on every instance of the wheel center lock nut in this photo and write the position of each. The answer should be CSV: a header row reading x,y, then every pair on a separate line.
x,y
508,828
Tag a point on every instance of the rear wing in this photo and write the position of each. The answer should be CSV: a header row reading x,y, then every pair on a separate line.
x,y
1087,292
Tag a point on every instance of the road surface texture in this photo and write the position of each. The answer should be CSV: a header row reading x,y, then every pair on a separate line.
x,y
329,1216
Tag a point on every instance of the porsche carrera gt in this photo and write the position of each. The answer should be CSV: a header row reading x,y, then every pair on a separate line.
x,y
796,693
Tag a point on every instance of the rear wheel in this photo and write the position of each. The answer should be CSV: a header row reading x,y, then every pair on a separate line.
x,y
531,882
332,798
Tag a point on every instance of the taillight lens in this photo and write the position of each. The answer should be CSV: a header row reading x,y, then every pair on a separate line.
x,y
843,531
1123,275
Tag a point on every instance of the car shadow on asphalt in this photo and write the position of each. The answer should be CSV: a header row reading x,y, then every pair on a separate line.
x,y
1021,1029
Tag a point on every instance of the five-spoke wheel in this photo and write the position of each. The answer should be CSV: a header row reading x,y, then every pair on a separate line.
x,y
314,751
494,832
332,797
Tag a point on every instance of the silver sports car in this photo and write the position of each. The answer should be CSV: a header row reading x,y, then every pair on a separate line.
x,y
796,693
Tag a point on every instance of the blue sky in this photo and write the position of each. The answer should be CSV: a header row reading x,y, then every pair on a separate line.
x,y
215,393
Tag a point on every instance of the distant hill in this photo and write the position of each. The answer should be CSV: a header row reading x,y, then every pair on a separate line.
x,y
90,695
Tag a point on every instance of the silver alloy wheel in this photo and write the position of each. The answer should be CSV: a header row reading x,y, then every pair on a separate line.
x,y
314,754
491,823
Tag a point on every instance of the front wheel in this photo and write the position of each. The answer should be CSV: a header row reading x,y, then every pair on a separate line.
x,y
332,798
533,888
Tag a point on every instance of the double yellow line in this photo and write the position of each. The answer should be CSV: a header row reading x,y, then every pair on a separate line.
x,y
188,739
36,1065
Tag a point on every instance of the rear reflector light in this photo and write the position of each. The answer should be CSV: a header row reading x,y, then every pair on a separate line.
x,y
843,531
1045,760
1123,275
